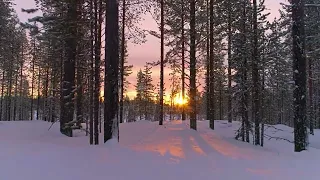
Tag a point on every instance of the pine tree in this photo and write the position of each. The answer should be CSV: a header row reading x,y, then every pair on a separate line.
x,y
122,60
193,90
140,92
256,76
161,61
97,36
212,67
299,75
111,125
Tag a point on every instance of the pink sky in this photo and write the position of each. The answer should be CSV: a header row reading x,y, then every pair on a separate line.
x,y
147,52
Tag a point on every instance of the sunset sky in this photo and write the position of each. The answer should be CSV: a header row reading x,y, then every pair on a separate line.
x,y
148,52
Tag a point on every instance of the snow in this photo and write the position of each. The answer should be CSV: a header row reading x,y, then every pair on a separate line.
x,y
148,151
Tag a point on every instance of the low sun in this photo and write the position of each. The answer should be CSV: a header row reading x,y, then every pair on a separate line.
x,y
180,101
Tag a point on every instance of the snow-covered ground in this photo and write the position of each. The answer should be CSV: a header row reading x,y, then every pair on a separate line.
x,y
147,151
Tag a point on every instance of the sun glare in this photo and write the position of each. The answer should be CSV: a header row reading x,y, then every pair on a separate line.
x,y
179,100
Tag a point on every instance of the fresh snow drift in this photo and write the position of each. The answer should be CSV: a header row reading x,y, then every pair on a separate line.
x,y
148,151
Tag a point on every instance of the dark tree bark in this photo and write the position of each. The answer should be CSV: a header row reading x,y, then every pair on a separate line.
x,y
220,98
68,83
243,83
161,61
229,62
15,102
91,76
263,94
9,90
96,106
111,70
61,80
299,75
211,74
46,99
311,110
193,88
208,100
183,59
21,85
122,59
2,93
38,95
33,76
255,77
79,98
54,92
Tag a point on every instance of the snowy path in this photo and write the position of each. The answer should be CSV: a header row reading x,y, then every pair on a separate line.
x,y
147,151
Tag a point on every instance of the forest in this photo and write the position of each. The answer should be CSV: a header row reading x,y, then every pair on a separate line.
x,y
227,61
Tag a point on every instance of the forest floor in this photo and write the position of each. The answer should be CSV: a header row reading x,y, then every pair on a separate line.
x,y
147,151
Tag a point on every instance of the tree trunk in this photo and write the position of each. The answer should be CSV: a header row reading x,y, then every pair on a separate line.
x,y
263,96
68,83
161,62
2,93
255,77
45,96
311,110
21,87
38,96
208,100
91,89
220,98
193,88
122,59
183,60
32,80
15,103
111,124
10,73
212,69
98,10
243,84
229,62
299,76
53,102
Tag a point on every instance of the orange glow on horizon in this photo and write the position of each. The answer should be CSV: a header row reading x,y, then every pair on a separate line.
x,y
179,100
